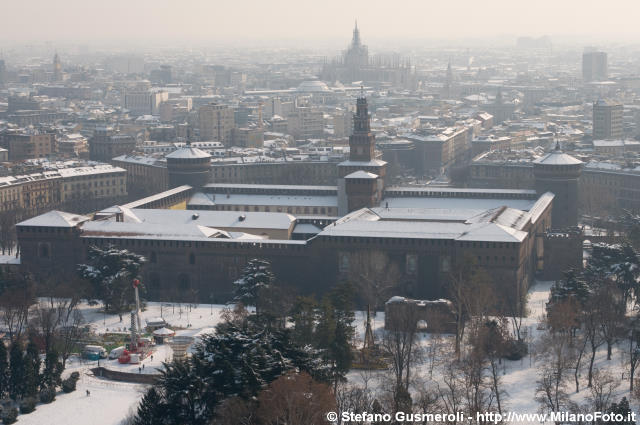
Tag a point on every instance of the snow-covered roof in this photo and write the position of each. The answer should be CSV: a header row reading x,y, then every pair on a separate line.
x,y
270,187
608,143
361,175
259,199
455,204
55,219
188,152
96,169
144,229
372,163
313,86
164,332
421,224
213,219
557,157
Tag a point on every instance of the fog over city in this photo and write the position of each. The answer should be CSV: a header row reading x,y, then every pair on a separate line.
x,y
201,22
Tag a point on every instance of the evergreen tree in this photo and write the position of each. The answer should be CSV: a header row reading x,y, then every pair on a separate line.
x,y
622,408
17,371
303,316
573,286
233,362
4,370
31,369
186,399
326,327
341,298
256,276
111,271
340,354
151,410
52,369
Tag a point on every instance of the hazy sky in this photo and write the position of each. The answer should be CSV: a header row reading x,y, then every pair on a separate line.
x,y
209,20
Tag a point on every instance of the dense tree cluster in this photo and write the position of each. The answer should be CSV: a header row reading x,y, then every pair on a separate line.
x,y
50,325
589,309
254,359
238,361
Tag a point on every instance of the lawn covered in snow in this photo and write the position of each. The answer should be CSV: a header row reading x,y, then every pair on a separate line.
x,y
111,401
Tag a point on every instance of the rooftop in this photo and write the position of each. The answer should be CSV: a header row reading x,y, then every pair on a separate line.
x,y
361,175
55,219
187,152
500,224
557,157
213,219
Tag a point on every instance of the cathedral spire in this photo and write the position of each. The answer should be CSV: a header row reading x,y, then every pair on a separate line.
x,y
356,35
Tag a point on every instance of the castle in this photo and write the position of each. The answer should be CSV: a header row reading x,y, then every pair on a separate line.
x,y
198,236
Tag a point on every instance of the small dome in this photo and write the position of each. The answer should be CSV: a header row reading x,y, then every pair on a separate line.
x,y
187,152
557,157
313,86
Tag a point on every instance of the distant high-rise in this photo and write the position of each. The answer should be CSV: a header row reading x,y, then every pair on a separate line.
x,y
3,73
607,120
57,68
216,123
594,66
449,82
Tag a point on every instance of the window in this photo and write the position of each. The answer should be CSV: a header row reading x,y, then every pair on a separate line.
x,y
192,258
446,266
343,262
154,257
43,250
411,264
183,282
154,281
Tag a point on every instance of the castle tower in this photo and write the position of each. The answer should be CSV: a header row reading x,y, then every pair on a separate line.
x,y
362,142
558,173
188,166
361,177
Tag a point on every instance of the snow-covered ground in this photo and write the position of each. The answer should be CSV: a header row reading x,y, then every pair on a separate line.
x,y
111,401
9,259
519,377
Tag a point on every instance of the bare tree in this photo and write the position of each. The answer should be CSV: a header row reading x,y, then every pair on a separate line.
x,y
472,292
17,295
514,303
374,275
353,398
451,391
591,325
554,350
579,347
632,332
400,344
295,398
435,351
612,315
489,341
602,390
